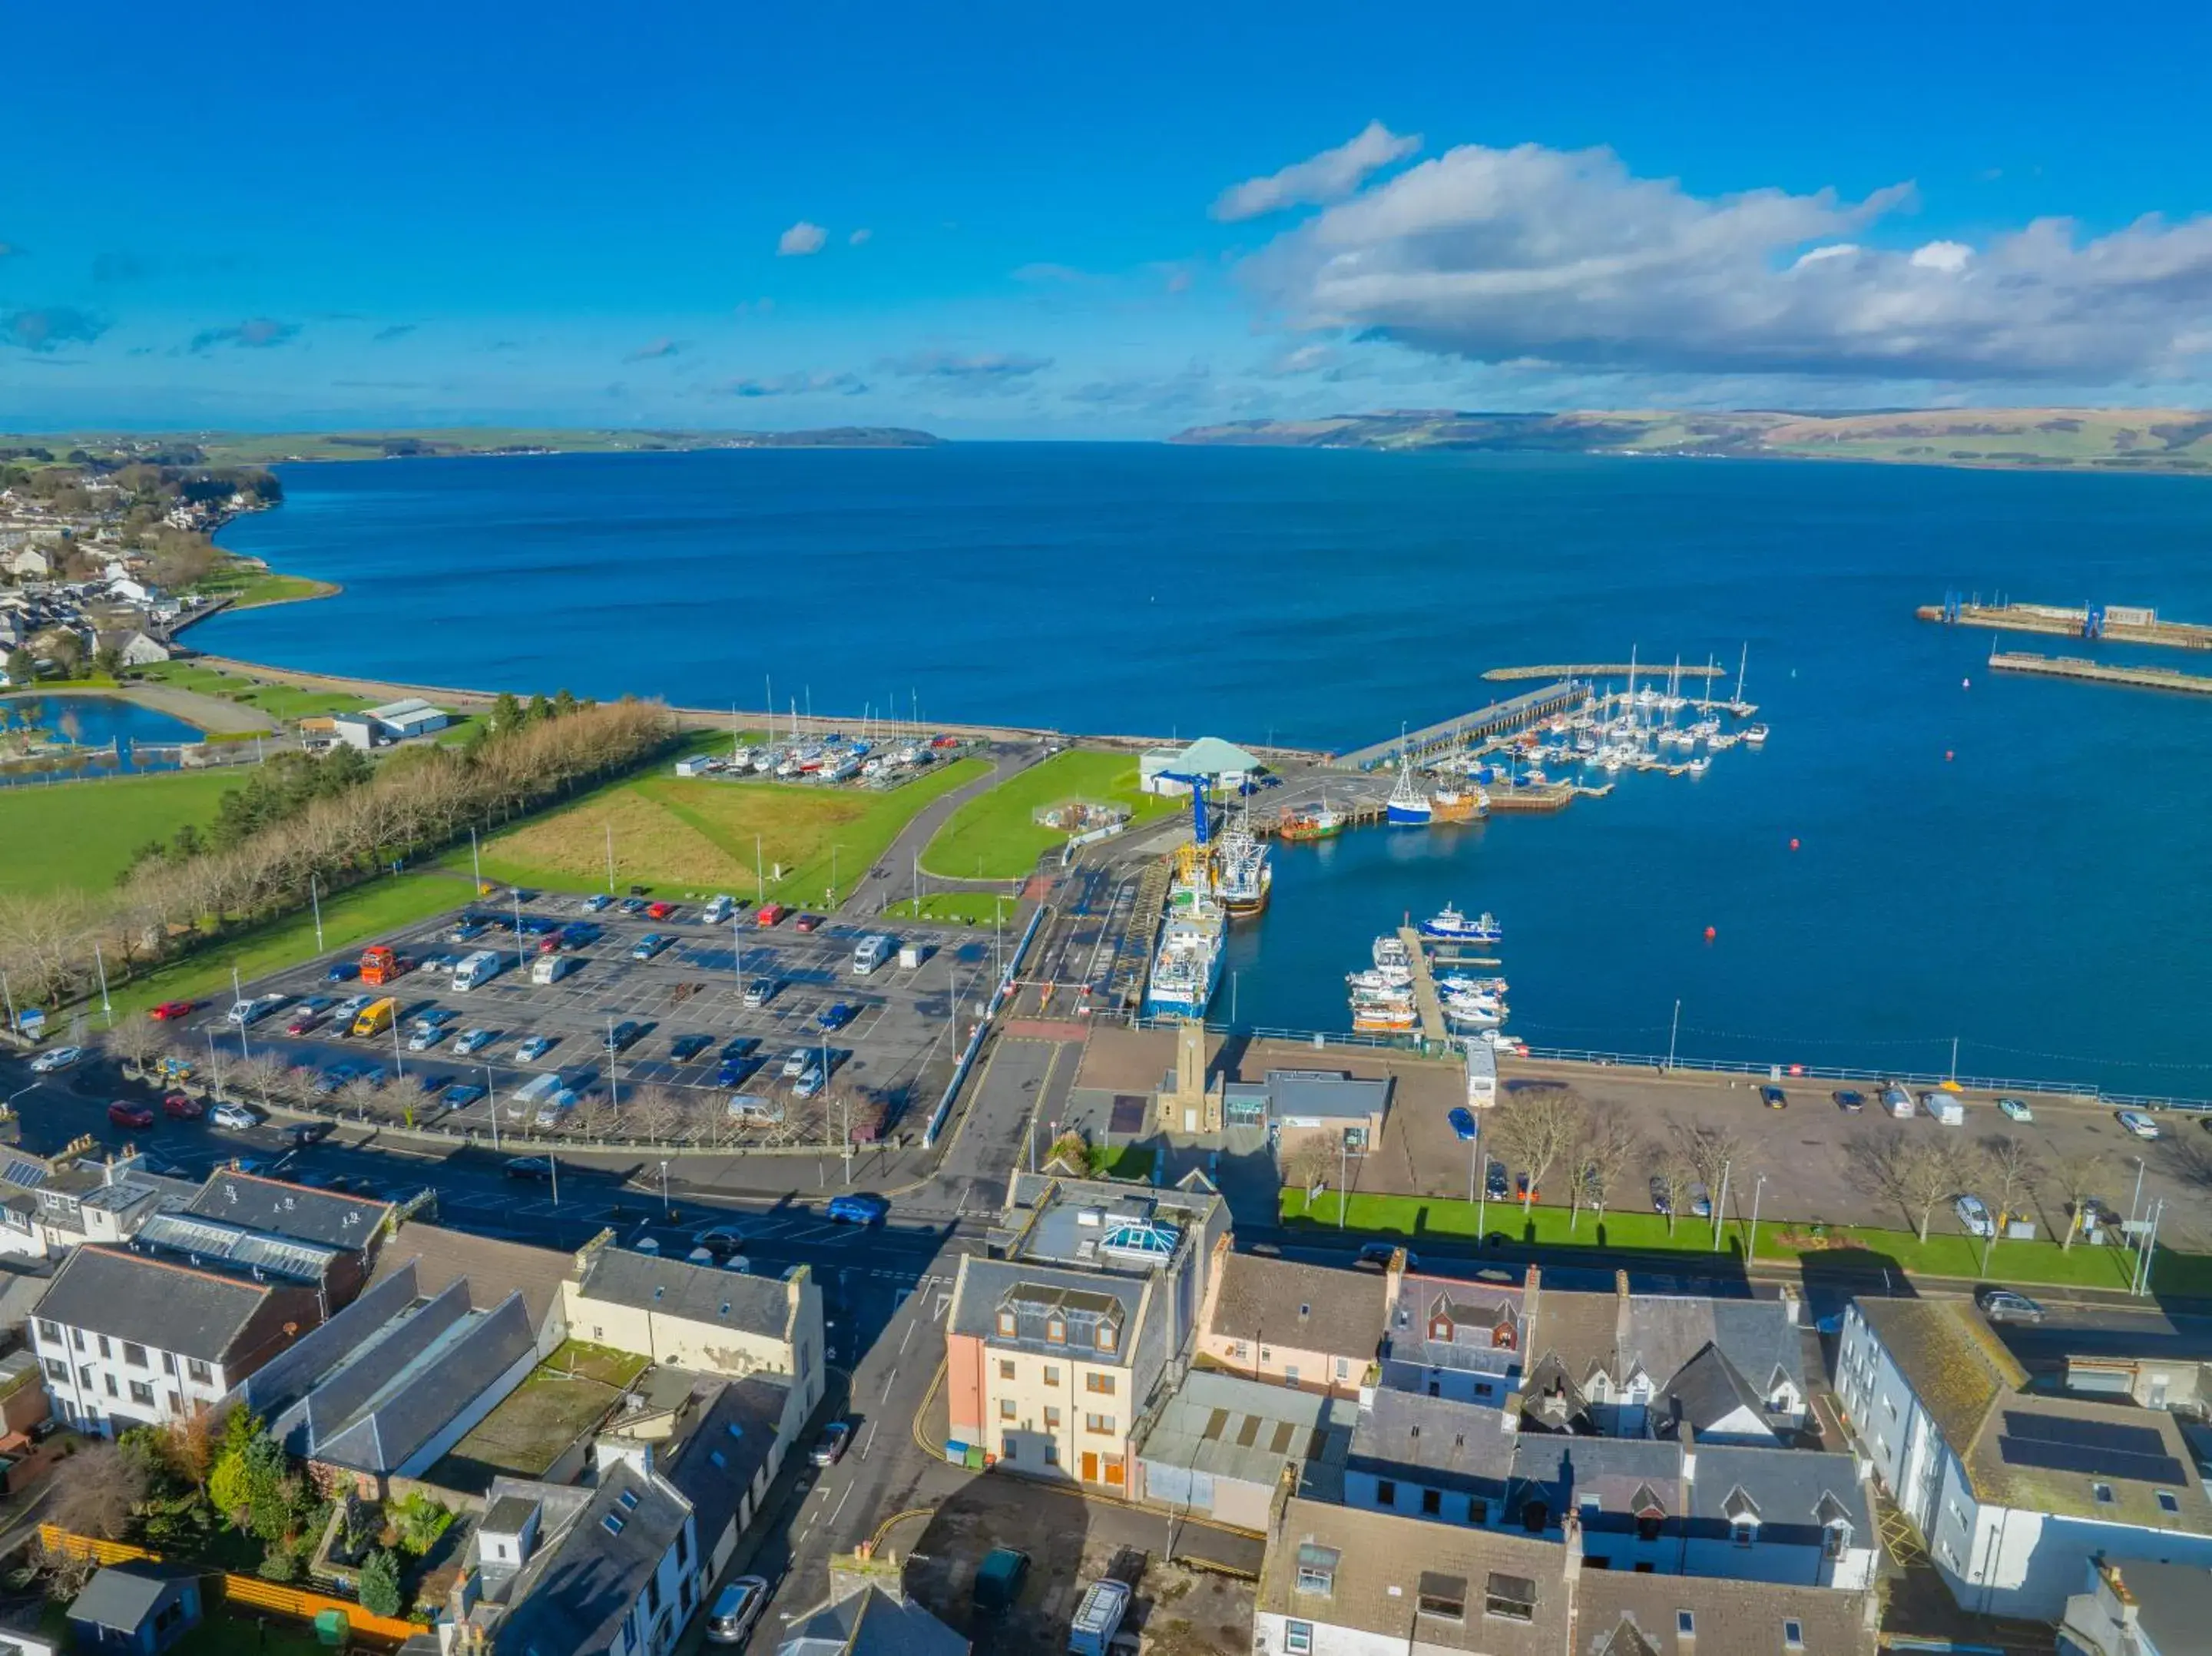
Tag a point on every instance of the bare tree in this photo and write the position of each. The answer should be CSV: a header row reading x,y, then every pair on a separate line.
x,y
2078,1182
654,1111
1670,1183
1540,1133
97,1491
1917,1171
135,1044
1309,1162
263,1077
356,1095
1609,1148
2010,1170
1713,1156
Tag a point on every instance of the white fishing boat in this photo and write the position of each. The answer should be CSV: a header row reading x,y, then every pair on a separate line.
x,y
1408,805
1754,735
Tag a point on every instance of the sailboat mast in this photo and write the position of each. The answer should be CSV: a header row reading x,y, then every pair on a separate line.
x,y
1743,662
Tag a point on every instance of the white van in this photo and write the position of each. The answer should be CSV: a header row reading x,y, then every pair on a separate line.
x,y
752,1108
871,951
538,1090
552,968
1947,1109
1098,1618
480,967
720,909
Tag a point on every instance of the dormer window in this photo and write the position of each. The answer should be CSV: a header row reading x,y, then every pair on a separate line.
x,y
1055,1330
1007,1323
1107,1336
1440,1328
1504,1337
1744,1531
1317,1569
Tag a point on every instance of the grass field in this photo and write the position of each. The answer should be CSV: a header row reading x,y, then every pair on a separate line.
x,y
678,834
560,1399
958,908
996,835
282,703
1863,1248
81,834
352,918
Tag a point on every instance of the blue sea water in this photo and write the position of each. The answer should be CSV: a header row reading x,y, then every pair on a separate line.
x,y
92,722
2017,865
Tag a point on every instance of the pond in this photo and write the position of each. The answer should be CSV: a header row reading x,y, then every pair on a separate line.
x,y
102,733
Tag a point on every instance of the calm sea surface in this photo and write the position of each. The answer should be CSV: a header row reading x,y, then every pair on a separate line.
x,y
2018,865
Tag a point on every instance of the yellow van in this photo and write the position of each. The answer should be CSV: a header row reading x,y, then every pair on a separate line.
x,y
376,1017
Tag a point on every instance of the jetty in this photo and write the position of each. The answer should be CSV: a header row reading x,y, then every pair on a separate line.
x,y
2114,623
2099,673
1470,730
1425,1003
1535,797
1605,670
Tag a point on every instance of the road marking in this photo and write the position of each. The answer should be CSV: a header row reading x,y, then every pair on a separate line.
x,y
910,1327
942,1301
888,1379
840,1507
869,1441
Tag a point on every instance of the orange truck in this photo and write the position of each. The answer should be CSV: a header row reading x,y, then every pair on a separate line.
x,y
380,964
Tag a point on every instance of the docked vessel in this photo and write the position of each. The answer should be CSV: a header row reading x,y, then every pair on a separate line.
x,y
1458,805
1187,965
1408,805
1448,925
1242,876
1321,823
1754,736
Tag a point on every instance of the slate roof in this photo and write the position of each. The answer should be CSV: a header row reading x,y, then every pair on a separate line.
x,y
1790,1489
270,1204
1562,1473
168,1307
574,1594
1313,1307
760,1306
492,1269
285,1379
120,1596
1623,1614
1661,1335
1708,1389
716,1464
1476,1311
870,1622
2173,1601
1434,1441
380,1412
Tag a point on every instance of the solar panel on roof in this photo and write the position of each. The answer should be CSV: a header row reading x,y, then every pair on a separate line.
x,y
2089,1461
2102,1434
28,1174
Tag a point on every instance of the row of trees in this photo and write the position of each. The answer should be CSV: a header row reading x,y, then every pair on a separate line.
x,y
274,792
52,944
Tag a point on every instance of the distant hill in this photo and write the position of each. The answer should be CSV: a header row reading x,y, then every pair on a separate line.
x,y
258,448
2098,438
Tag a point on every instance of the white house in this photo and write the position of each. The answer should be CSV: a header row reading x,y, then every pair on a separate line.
x,y
141,649
131,590
2014,1493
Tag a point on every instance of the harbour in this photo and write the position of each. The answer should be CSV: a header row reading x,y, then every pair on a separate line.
x,y
2101,672
2118,624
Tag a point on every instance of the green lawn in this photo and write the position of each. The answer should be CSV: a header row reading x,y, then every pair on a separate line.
x,y
996,835
2037,1263
81,834
282,703
356,916
959,908
1129,1162
697,835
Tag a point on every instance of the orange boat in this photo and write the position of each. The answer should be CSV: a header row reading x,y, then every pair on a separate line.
x,y
1450,805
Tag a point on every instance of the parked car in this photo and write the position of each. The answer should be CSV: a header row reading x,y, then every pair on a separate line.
x,y
1375,1256
123,1113
740,1046
236,1116
736,1607
810,1082
182,1107
633,905
1701,1202
2008,1306
459,1095
342,971
168,1011
597,903
648,946
472,1040
60,1057
2013,1110
806,922
622,1036
1462,1123
835,1015
770,914
1847,1099
1974,1216
760,991
685,1048
720,1238
1661,1202
999,1579
2138,1123
426,1035
797,1061
1496,1183
536,1168
533,1049
829,1448
858,1208
659,910
733,1071
1774,1097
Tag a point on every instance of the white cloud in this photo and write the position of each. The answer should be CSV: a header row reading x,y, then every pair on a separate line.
x,y
1567,258
989,370
795,385
1304,359
800,239
858,238
1330,176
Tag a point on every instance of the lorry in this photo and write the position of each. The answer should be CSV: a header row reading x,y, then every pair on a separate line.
x,y
376,1017
552,968
480,967
1098,1618
380,964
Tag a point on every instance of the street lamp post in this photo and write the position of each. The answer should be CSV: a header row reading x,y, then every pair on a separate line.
x,y
1674,1029
1343,1177
491,1103
663,1191
315,897
1751,1248
100,961
1720,1206
614,1070
2135,1201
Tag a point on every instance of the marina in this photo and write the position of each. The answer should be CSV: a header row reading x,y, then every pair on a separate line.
x,y
2118,623
2099,673
1588,670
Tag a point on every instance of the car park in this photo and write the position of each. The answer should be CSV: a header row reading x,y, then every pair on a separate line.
x,y
531,1050
472,1040
1974,1216
2135,1121
829,1447
1774,1097
2013,1110
123,1113
2008,1306
236,1116
736,1608
1462,1123
648,946
169,1011
1848,1100
858,1208
182,1107
60,1057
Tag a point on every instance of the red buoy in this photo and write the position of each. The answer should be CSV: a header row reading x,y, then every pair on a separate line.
x,y
1710,934
1793,844
1946,756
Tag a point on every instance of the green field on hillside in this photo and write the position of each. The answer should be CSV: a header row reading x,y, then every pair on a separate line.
x,y
79,835
995,836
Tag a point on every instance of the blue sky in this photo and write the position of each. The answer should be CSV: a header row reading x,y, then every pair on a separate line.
x,y
1026,220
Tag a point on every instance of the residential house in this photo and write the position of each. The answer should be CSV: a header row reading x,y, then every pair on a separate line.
x,y
1316,1327
129,589
2014,1493
867,1613
724,1455
380,1391
2146,1610
1056,1347
1341,1582
1220,1447
355,1225
134,1609
703,1318
32,563
140,649
1429,1457
126,1339
49,1204
1455,1339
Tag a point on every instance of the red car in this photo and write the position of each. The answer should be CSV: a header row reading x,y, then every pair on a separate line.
x,y
806,922
304,1024
169,1010
125,1114
659,910
182,1106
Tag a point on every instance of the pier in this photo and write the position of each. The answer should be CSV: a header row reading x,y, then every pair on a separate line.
x,y
2099,673
1431,1010
1534,798
1469,729
1606,670
2115,622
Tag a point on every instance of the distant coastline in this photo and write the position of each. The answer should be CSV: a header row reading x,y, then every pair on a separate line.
x,y
2171,441
295,447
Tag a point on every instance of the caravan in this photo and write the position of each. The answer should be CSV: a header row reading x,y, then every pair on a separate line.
x,y
480,967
